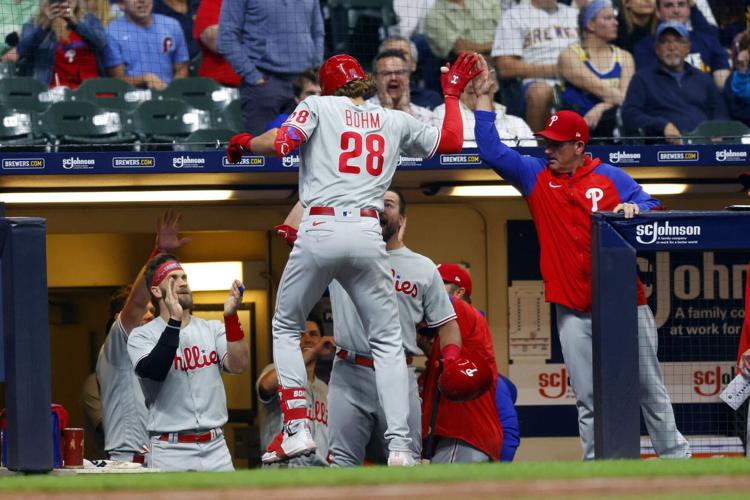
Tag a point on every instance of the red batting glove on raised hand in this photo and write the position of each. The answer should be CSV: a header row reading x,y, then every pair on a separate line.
x,y
238,144
454,81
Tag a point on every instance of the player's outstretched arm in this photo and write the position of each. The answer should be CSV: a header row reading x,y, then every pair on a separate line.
x,y
238,351
453,81
167,241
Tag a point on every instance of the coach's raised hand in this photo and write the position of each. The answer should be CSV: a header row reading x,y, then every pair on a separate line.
x,y
454,78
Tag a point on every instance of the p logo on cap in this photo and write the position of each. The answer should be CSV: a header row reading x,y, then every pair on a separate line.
x,y
565,126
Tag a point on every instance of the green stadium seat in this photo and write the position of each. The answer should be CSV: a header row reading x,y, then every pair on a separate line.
x,y
718,132
166,121
230,117
22,93
108,93
17,130
81,125
202,93
206,139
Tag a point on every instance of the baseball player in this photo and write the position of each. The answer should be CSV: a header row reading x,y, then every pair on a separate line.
x,y
124,410
356,416
462,431
349,150
179,358
458,284
562,191
743,352
315,345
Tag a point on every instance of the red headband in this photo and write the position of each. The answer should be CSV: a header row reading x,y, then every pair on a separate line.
x,y
163,270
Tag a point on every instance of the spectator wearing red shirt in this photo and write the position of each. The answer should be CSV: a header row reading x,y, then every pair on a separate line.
x,y
205,31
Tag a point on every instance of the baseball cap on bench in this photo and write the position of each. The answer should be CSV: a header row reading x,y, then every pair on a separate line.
x,y
565,126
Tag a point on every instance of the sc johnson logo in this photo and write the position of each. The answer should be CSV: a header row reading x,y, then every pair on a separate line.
x,y
290,161
188,162
730,155
711,382
246,161
409,161
76,163
667,156
459,159
664,232
133,162
554,385
23,163
624,157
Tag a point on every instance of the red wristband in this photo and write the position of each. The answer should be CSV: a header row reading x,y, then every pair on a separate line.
x,y
450,352
233,328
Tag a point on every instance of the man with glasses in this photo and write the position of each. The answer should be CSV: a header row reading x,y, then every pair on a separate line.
x,y
562,191
673,97
392,72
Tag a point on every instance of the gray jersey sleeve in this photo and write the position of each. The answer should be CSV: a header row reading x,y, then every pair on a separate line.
x,y
305,117
438,309
418,139
140,343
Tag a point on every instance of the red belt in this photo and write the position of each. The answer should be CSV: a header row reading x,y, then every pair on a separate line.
x,y
364,360
363,212
203,437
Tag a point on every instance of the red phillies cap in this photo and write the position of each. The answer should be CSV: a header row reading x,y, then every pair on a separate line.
x,y
566,126
453,273
745,179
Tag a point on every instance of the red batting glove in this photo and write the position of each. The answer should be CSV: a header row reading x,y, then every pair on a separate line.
x,y
287,232
459,75
238,144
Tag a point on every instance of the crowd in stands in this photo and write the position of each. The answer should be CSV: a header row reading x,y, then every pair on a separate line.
x,y
605,59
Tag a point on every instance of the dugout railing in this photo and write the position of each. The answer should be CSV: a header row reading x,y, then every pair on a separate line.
x,y
614,244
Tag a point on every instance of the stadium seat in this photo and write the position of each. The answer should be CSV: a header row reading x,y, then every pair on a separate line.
x,y
17,130
7,69
206,139
202,93
166,121
718,132
230,117
22,93
83,124
108,93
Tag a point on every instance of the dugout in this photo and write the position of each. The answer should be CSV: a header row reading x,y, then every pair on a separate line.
x,y
94,248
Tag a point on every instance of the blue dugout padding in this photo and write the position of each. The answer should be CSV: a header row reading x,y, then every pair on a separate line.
x,y
25,329
614,243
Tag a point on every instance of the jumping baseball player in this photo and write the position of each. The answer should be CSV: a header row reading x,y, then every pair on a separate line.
x,y
562,191
124,412
349,150
179,358
460,424
315,345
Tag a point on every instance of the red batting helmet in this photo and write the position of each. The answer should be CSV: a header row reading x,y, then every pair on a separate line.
x,y
339,70
466,378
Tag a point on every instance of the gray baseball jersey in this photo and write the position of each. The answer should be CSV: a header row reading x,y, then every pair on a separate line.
x,y
420,294
317,412
124,412
356,415
346,163
192,397
351,151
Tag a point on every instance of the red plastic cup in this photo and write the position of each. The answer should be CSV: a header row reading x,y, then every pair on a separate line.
x,y
73,448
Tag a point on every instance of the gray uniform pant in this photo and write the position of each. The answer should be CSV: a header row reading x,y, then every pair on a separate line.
x,y
456,451
656,406
173,456
356,417
350,249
